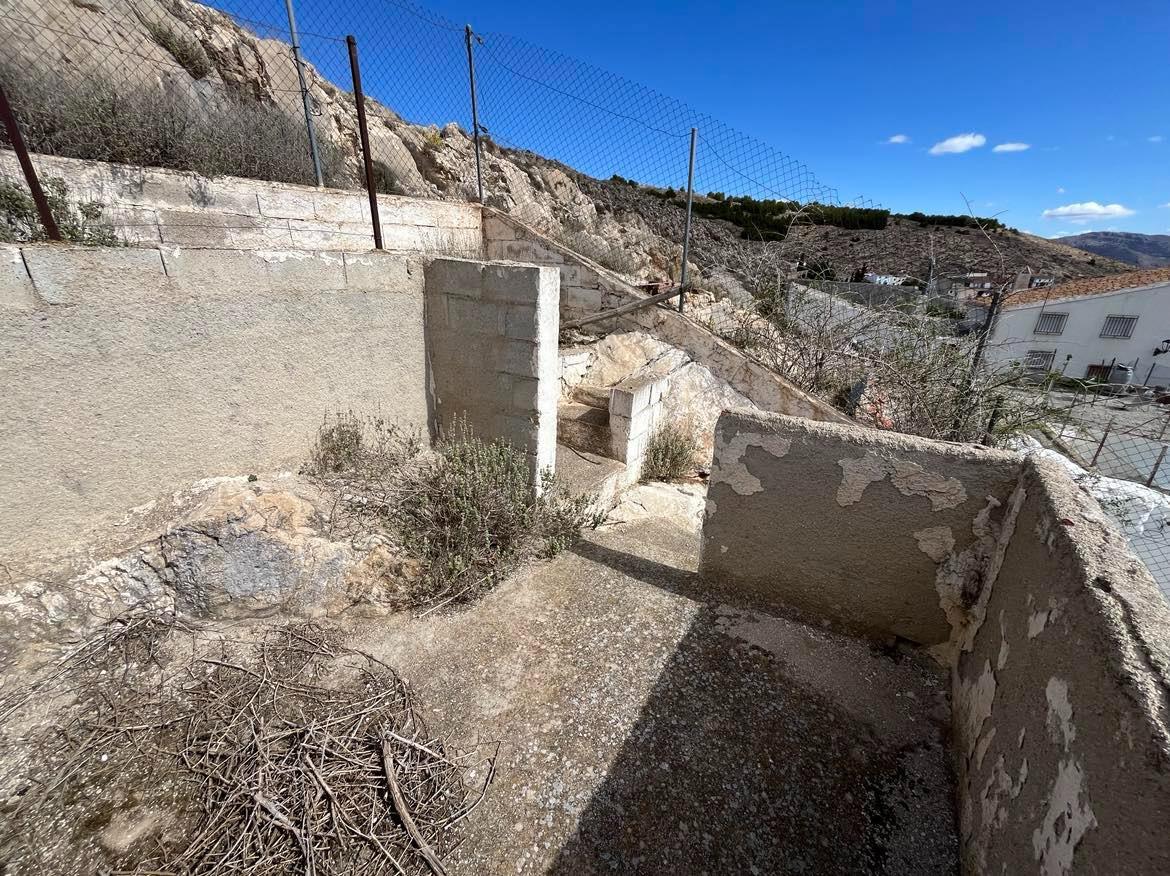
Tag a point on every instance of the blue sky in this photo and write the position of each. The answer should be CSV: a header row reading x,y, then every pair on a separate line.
x,y
1085,86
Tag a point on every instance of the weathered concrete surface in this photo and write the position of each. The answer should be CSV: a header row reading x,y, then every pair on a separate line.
x,y
588,288
647,727
1060,697
492,351
880,532
149,205
134,372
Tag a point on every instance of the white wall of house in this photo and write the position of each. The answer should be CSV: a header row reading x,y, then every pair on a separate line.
x,y
1015,334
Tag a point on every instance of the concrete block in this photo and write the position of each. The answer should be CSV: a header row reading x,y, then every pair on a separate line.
x,y
136,226
288,203
517,321
274,233
215,271
455,242
581,276
526,393
16,287
512,284
629,398
528,251
67,275
455,277
425,212
330,235
382,272
497,229
302,271
472,317
183,228
582,300
337,207
513,356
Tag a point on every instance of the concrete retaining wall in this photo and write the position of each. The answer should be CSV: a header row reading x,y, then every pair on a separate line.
x,y
492,331
880,532
130,372
1062,698
151,206
588,288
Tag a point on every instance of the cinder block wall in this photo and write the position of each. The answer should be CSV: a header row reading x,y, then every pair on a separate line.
x,y
881,532
588,288
1061,698
131,372
150,206
492,335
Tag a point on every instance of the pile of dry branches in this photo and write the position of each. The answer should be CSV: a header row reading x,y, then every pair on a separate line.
x,y
291,754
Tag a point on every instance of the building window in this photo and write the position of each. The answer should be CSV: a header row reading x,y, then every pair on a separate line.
x,y
1039,360
1118,326
1050,324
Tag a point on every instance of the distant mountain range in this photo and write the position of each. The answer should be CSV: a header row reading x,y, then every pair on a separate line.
x,y
1143,250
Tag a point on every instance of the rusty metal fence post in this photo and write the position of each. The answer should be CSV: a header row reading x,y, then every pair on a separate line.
x,y
359,98
1157,465
26,166
687,232
1101,445
470,36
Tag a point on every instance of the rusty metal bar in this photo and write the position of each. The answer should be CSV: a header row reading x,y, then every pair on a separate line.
x,y
364,133
625,308
1157,465
470,36
26,165
1101,445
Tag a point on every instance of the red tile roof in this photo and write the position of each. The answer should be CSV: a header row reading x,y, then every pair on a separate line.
x,y
1088,286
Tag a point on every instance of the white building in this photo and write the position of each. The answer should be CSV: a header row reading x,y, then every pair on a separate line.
x,y
1083,327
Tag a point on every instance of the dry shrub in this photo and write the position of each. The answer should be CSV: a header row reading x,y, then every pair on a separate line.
x,y
20,222
470,513
670,453
185,752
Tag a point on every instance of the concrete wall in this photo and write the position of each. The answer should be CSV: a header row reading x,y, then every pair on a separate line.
x,y
880,532
152,206
588,288
130,372
492,331
1061,699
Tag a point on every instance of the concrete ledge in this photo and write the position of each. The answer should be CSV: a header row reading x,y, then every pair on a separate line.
x,y
16,286
1060,698
882,533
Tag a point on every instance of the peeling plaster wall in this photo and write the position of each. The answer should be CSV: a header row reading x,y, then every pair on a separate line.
x,y
879,532
130,372
1061,697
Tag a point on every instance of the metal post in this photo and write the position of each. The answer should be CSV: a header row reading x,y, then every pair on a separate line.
x,y
988,326
26,165
360,99
296,47
1157,465
687,232
1101,445
1150,373
474,111
992,421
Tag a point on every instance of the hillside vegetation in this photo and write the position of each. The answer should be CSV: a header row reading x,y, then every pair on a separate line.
x,y
179,84
1140,250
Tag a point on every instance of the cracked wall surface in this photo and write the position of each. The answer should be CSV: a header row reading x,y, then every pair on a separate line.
x,y
879,532
1060,696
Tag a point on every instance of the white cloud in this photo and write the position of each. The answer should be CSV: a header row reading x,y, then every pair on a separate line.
x,y
1167,205
1060,190
1157,138
899,139
958,143
1079,214
1011,147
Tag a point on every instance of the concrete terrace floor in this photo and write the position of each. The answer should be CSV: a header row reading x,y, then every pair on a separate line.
x,y
650,727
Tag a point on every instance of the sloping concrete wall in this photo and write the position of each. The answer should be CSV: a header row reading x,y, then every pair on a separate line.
x,y
588,288
130,372
880,532
492,334
1062,699
151,206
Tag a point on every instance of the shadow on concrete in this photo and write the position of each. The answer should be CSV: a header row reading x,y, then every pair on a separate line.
x,y
735,766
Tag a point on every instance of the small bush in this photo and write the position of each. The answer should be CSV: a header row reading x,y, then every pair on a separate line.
x,y
221,133
670,455
183,49
470,513
20,222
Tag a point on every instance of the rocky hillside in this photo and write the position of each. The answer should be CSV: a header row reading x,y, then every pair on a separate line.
x,y
178,84
1143,250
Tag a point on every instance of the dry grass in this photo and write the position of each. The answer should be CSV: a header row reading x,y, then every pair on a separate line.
x,y
670,454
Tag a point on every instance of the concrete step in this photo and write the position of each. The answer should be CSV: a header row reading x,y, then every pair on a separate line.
x,y
593,396
584,427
